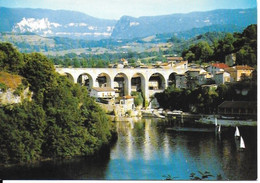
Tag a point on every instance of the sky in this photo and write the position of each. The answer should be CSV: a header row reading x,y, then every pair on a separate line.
x,y
114,9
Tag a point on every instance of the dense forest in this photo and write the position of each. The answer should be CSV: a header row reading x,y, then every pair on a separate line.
x,y
59,121
243,44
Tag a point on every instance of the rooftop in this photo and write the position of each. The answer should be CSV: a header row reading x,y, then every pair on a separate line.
x,y
238,104
229,69
104,89
218,73
220,65
175,58
243,67
194,70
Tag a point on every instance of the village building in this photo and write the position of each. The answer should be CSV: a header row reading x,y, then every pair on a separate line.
x,y
180,81
232,73
157,64
196,77
165,65
123,63
222,77
203,78
172,64
194,66
195,72
181,65
216,67
125,106
174,59
127,102
243,70
241,108
105,92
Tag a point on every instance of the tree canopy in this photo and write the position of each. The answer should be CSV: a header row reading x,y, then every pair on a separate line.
x,y
243,44
60,121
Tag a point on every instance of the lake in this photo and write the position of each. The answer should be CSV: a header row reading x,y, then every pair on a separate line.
x,y
148,149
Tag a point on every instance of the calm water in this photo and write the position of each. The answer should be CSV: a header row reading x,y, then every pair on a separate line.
x,y
147,150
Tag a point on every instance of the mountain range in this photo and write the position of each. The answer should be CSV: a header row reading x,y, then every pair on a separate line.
x,y
63,23
48,23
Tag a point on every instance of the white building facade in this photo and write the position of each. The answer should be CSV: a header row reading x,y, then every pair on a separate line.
x,y
105,92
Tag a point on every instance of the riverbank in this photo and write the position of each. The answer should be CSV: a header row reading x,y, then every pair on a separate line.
x,y
210,119
199,119
193,119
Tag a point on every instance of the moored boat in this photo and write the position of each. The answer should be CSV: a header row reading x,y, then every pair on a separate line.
x,y
242,143
219,129
237,133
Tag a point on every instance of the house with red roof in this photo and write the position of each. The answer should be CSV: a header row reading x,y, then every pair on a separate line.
x,y
216,67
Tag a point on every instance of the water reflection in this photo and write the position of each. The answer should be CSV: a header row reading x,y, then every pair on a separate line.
x,y
147,150
166,147
130,142
152,151
147,141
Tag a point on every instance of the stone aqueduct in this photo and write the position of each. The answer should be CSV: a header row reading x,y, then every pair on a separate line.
x,y
128,73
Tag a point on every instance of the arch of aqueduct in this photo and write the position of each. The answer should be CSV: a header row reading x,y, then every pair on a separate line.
x,y
127,73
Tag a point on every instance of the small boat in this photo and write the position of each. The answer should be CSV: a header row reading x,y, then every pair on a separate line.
x,y
219,129
228,117
237,133
242,143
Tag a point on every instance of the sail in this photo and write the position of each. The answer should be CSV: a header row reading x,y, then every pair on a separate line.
x,y
237,133
216,121
242,143
219,128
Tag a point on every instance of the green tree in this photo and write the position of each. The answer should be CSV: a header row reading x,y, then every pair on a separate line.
x,y
189,56
76,63
39,71
21,132
10,59
200,51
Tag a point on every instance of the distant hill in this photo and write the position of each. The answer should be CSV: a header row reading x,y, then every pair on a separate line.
x,y
46,22
129,27
185,35
28,43
72,24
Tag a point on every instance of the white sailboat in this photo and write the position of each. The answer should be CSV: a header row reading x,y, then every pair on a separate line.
x,y
242,143
216,121
237,133
219,129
